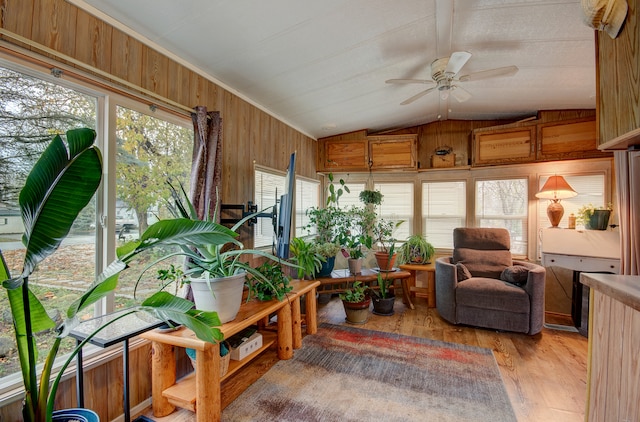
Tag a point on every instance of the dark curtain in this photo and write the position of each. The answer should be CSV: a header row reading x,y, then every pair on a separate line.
x,y
206,170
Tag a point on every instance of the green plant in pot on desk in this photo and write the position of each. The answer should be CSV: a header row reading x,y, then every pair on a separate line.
x,y
383,232
61,183
355,236
305,256
416,250
594,218
356,301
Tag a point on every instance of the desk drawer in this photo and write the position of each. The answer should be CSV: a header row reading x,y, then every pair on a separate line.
x,y
581,263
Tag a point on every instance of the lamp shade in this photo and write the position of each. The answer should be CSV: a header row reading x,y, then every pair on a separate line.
x,y
556,188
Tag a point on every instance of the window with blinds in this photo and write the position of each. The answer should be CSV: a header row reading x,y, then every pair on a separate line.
x,y
397,205
590,188
444,207
307,196
352,197
267,185
503,203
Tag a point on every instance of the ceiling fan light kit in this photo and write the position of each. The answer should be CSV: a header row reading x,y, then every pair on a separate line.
x,y
605,15
444,73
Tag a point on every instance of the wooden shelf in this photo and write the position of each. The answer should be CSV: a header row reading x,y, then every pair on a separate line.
x,y
183,392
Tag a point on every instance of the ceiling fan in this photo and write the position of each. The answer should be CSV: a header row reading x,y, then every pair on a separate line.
x,y
444,74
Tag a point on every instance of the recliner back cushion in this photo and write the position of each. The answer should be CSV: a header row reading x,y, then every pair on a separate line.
x,y
483,263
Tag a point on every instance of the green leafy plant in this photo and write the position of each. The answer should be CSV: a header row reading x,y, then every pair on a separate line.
x,y
385,283
59,186
416,249
585,212
371,197
357,293
275,283
383,231
355,230
305,256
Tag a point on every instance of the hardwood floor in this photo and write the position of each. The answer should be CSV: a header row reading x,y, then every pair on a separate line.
x,y
544,375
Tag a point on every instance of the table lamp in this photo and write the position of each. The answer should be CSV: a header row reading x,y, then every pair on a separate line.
x,y
555,189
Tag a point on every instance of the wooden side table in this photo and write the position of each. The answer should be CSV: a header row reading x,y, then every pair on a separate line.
x,y
430,290
200,391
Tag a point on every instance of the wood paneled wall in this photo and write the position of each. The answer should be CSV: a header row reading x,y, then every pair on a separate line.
x,y
618,78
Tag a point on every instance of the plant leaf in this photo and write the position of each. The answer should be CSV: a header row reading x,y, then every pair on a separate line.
x,y
60,185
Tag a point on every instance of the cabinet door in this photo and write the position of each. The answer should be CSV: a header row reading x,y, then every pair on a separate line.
x,y
566,140
504,145
343,155
392,152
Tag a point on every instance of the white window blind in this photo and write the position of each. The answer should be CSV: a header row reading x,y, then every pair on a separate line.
x,y
267,184
443,209
503,203
590,188
307,194
397,205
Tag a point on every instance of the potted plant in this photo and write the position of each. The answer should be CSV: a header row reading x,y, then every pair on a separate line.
x,y
355,234
59,186
383,233
216,271
327,251
416,250
304,255
356,303
371,197
274,285
383,299
594,218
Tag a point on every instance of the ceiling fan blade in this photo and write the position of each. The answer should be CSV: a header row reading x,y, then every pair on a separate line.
x,y
459,93
418,95
409,81
490,73
456,61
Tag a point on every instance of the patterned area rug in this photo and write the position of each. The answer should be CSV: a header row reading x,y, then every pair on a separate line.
x,y
350,374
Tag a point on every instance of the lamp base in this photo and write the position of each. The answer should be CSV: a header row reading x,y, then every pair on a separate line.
x,y
555,211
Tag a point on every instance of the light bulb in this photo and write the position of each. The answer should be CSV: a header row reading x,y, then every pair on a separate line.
x,y
444,94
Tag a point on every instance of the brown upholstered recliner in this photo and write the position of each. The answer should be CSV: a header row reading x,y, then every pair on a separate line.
x,y
481,285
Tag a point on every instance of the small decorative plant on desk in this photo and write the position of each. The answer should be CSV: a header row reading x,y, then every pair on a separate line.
x,y
355,234
385,242
383,299
356,303
416,250
305,256
594,218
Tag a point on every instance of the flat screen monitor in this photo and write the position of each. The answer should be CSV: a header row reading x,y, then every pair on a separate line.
x,y
283,229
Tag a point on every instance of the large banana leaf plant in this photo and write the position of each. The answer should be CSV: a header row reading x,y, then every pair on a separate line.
x,y
60,185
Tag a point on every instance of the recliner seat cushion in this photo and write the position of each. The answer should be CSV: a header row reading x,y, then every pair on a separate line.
x,y
483,263
489,293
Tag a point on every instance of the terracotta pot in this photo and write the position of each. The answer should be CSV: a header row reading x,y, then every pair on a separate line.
x,y
357,312
382,258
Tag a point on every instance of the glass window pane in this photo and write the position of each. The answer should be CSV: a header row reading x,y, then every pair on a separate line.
x,y
591,190
269,186
503,203
443,209
151,151
397,205
307,194
32,111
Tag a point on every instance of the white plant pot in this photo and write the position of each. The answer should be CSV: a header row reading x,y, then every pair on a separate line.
x,y
222,295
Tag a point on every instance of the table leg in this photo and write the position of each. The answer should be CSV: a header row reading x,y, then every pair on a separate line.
x,y
311,315
125,374
163,366
208,402
285,333
406,295
296,323
431,289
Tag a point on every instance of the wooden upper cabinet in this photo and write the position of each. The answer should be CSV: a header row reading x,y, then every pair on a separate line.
x,y
568,140
392,152
504,145
338,155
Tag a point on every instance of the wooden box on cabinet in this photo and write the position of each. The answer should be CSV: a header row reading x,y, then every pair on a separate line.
x,y
568,139
392,151
504,145
443,161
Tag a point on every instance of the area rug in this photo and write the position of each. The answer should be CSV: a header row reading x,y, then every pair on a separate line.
x,y
350,374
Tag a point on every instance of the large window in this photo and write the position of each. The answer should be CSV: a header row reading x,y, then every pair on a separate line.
x,y
503,203
443,209
269,186
397,205
307,196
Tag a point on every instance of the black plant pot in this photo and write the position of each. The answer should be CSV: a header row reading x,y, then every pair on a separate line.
x,y
327,267
383,306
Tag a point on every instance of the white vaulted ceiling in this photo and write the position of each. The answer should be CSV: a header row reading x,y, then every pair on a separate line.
x,y
321,65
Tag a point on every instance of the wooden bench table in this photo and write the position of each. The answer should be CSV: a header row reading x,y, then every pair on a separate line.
x,y
200,391
430,290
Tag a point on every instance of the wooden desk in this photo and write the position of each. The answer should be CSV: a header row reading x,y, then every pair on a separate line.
x,y
340,280
200,391
430,291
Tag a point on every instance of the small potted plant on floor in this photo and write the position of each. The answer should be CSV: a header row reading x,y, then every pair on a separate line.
x,y
356,303
416,250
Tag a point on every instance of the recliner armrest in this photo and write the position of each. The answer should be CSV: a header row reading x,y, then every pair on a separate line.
x,y
535,288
